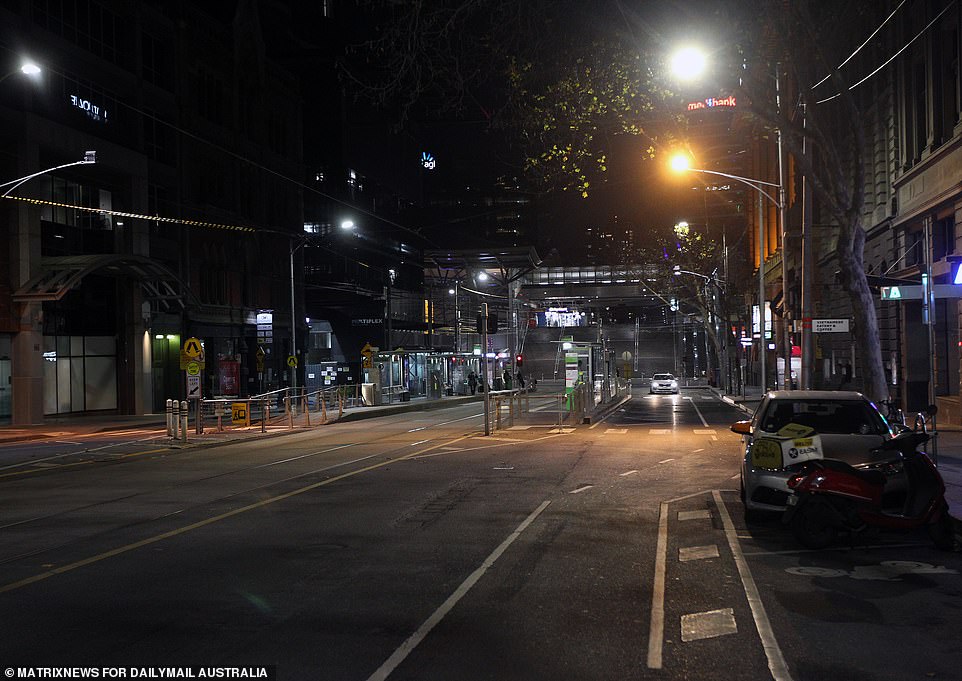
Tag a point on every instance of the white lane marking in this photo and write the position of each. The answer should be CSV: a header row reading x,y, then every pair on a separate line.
x,y
709,624
776,662
695,451
503,468
714,438
402,652
632,472
698,411
665,460
656,628
451,449
580,489
659,431
518,427
616,431
694,515
697,553
65,442
561,431
419,442
710,431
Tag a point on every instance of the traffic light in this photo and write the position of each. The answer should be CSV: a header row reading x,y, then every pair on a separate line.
x,y
519,360
492,322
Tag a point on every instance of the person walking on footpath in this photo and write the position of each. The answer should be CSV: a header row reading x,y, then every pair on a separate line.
x,y
520,380
473,382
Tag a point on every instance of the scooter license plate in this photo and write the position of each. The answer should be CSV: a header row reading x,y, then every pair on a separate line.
x,y
792,500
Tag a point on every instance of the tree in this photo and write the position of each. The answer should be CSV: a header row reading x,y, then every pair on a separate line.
x,y
796,36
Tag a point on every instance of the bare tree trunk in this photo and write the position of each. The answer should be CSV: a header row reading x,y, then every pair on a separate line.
x,y
854,283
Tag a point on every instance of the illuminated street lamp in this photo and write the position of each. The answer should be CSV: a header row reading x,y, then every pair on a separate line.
x,y
27,68
680,163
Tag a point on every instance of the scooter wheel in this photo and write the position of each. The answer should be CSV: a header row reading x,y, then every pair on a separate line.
x,y
813,524
942,532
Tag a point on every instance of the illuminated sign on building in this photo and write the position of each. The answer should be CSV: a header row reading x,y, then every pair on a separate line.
x,y
92,110
712,102
427,160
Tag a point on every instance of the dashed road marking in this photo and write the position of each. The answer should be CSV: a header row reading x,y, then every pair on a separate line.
x,y
665,460
616,431
659,431
693,515
697,553
708,624
632,472
580,489
710,431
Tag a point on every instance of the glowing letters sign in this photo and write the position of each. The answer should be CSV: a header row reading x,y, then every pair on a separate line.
x,y
92,110
712,102
427,160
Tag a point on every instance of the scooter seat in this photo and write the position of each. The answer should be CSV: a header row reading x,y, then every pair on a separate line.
x,y
871,476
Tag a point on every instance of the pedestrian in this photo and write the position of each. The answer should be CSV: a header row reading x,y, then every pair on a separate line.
x,y
520,380
506,377
473,382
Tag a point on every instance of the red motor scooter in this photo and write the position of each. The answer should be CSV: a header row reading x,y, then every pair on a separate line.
x,y
830,495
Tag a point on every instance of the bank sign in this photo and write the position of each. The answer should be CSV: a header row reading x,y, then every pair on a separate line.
x,y
712,102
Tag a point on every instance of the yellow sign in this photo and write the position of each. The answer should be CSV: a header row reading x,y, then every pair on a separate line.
x,y
367,356
193,369
192,348
291,361
238,414
260,351
766,453
795,430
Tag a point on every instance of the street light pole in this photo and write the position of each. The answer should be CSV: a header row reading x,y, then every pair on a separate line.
x,y
783,224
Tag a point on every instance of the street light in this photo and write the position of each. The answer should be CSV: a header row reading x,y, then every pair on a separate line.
x,y
89,157
26,68
680,163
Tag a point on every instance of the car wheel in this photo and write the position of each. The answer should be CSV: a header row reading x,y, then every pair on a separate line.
x,y
813,524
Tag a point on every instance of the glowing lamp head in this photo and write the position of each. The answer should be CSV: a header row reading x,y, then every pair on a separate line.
x,y
688,63
680,163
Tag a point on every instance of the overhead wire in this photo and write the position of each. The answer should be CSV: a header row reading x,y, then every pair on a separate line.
x,y
894,56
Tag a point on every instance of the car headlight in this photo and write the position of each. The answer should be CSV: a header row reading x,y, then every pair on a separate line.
x,y
674,384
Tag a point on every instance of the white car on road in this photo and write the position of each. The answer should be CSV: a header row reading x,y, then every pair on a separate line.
x,y
663,383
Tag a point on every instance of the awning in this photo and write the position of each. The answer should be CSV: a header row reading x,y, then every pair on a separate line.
x,y
60,275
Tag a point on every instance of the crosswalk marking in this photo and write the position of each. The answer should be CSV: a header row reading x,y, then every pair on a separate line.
x,y
616,431
709,431
659,431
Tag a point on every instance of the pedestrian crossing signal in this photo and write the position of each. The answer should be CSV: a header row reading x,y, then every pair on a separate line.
x,y
492,323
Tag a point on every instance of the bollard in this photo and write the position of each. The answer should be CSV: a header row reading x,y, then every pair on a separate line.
x,y
170,410
307,410
175,419
324,410
183,423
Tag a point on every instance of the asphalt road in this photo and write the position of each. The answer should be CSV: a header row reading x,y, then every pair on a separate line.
x,y
414,547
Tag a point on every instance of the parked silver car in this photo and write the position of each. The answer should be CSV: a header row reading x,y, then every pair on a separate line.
x,y
850,428
663,383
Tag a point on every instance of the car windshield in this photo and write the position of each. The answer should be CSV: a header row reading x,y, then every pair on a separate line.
x,y
825,416
662,377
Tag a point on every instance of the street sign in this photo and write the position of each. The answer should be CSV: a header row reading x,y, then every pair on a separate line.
x,y
367,355
193,369
291,361
192,348
193,387
914,292
830,326
238,413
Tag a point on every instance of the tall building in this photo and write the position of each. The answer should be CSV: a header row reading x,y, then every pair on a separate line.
x,y
181,229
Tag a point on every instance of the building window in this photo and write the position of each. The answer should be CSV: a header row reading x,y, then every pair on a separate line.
x,y
157,139
156,60
85,23
943,238
211,97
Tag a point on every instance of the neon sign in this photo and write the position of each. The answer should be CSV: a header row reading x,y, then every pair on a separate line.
x,y
712,102
92,110
427,160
